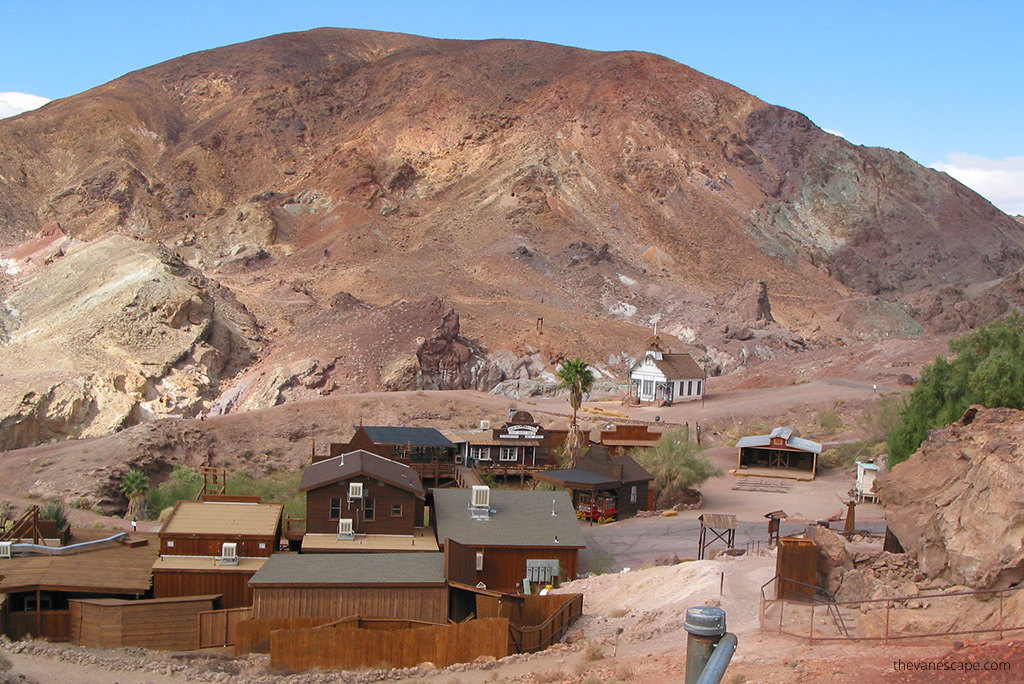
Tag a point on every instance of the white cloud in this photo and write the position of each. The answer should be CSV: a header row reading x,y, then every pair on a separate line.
x,y
16,103
1001,181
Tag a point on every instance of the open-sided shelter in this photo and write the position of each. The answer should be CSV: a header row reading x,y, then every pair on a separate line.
x,y
515,534
780,453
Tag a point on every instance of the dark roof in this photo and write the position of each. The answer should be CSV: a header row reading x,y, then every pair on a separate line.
x,y
521,518
351,568
413,436
580,476
361,462
631,470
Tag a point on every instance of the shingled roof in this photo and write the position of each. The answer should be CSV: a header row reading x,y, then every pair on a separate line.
x,y
413,436
520,518
679,366
350,568
361,462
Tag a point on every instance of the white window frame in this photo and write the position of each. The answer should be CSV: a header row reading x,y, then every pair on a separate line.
x,y
632,494
480,453
507,453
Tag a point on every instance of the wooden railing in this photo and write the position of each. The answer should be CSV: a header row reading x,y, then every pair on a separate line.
x,y
551,631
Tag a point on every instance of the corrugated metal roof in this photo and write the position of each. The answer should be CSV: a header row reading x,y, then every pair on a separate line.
x,y
866,466
224,518
413,436
358,462
521,518
791,441
351,568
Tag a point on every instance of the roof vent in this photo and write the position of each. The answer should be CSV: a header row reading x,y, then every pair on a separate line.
x,y
345,529
229,553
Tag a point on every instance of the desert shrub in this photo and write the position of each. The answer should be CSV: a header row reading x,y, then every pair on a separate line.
x,y
830,420
280,487
183,485
676,463
55,510
988,370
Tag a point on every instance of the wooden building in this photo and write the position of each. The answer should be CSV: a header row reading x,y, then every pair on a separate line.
x,y
515,534
780,454
429,452
161,624
389,585
215,547
521,441
622,438
36,584
603,485
661,375
375,494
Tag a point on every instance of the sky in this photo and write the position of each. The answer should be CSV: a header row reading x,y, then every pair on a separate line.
x,y
941,81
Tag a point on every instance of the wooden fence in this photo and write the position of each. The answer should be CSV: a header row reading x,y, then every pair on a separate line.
x,y
218,627
335,649
565,610
56,625
253,636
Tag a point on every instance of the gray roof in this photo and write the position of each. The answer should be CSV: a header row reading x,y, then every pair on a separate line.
x,y
784,433
351,568
521,518
413,436
361,462
678,366
581,476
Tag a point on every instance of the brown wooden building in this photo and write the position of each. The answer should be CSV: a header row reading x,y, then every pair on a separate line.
x,y
600,474
375,494
36,587
781,454
161,624
429,452
215,547
515,534
390,585
521,441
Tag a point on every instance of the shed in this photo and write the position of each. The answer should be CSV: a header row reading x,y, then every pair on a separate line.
x,y
170,624
778,454
865,486
388,585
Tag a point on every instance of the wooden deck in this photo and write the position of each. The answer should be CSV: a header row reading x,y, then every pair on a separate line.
x,y
775,473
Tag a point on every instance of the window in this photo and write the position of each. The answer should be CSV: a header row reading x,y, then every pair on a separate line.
x,y
368,512
508,454
335,509
648,389
632,494
699,388
480,453
396,510
689,387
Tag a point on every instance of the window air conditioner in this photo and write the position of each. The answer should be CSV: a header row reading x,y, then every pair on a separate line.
x,y
355,490
460,459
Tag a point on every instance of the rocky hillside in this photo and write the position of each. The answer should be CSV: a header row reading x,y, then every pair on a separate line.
x,y
344,210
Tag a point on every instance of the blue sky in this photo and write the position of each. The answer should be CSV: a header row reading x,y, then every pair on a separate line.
x,y
940,80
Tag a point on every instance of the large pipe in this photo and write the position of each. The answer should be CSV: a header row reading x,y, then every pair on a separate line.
x,y
64,550
709,648
714,671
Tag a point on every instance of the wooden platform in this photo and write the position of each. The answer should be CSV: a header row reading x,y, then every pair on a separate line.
x,y
774,473
756,484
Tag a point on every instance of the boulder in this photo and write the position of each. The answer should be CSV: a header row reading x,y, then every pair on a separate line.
x,y
832,554
957,505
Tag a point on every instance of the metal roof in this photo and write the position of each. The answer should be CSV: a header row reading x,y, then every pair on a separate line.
x,y
413,436
784,433
866,466
520,518
581,476
358,462
351,568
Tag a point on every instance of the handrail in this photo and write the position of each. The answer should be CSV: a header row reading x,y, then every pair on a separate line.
x,y
831,605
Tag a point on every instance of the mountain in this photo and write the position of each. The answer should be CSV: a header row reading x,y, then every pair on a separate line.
x,y
342,210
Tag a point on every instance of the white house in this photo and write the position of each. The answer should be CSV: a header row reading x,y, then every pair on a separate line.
x,y
661,375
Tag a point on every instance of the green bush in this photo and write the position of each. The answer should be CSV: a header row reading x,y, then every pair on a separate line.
x,y
183,485
830,420
988,370
55,510
676,462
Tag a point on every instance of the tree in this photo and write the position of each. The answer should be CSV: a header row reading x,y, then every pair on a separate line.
x,y
135,486
676,463
576,376
988,370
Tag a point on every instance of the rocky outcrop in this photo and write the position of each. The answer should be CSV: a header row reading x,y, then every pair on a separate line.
x,y
112,334
957,504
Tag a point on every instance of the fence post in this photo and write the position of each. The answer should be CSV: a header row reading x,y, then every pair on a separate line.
x,y
888,604
810,632
705,626
1000,613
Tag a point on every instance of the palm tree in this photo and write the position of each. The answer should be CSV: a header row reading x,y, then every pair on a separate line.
x,y
135,485
576,376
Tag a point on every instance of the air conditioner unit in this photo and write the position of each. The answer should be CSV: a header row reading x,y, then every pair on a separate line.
x,y
485,425
460,459
5,549
345,529
355,490
229,553
481,496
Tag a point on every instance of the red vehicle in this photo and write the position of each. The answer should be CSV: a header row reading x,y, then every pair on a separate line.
x,y
600,507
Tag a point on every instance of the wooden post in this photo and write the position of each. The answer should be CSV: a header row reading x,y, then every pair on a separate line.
x,y
39,614
888,605
810,632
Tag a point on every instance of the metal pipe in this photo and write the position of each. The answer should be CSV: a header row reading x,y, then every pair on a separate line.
x,y
719,660
705,626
